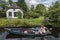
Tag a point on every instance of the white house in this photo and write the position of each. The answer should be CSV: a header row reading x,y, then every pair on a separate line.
x,y
12,11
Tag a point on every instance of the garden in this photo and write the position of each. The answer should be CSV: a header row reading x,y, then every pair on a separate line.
x,y
32,17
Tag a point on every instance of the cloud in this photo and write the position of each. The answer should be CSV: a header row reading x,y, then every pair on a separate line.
x,y
14,0
47,3
6,0
34,2
30,2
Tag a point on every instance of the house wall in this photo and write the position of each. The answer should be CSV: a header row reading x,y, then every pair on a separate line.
x,y
13,10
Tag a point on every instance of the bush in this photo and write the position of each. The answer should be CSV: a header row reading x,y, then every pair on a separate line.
x,y
19,14
2,14
21,22
54,18
31,14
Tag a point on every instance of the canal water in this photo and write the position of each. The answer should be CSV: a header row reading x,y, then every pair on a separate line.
x,y
55,36
3,36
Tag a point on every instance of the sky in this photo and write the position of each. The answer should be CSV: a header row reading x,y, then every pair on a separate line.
x,y
14,0
47,3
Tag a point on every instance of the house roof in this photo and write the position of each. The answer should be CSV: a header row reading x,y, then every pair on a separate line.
x,y
14,6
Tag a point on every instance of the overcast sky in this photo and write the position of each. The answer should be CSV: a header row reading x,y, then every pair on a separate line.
x,y
47,3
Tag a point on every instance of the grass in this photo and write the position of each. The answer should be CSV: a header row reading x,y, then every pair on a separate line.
x,y
21,22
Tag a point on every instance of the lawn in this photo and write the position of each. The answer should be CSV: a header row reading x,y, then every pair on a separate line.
x,y
21,22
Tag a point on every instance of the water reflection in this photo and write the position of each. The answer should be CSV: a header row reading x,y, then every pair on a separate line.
x,y
55,36
4,34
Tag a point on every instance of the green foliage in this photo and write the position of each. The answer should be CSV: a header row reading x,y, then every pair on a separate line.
x,y
22,5
19,14
41,9
54,18
31,14
3,4
2,14
54,15
21,22
10,2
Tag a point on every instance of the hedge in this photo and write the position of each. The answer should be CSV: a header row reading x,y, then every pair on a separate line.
x,y
20,22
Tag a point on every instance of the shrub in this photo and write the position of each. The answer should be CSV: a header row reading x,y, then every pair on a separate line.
x,y
2,14
19,14
31,14
21,22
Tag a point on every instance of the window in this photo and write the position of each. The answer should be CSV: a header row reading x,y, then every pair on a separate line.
x,y
15,14
10,13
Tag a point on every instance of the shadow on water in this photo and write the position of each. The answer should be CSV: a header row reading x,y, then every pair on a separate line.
x,y
1,31
55,31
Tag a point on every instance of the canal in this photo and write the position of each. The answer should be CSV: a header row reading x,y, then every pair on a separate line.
x,y
55,36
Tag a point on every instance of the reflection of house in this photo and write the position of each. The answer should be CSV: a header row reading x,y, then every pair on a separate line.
x,y
12,11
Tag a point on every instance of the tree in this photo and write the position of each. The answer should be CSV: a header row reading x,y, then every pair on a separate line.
x,y
3,4
31,14
41,9
19,14
2,14
54,15
10,2
22,5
